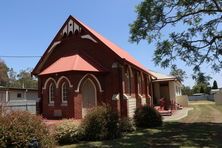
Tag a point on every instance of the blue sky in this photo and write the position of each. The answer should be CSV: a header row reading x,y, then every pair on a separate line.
x,y
27,28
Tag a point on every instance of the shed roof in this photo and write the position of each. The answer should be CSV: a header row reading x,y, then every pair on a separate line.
x,y
163,77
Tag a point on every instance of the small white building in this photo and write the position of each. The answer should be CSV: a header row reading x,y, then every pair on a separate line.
x,y
217,95
18,99
168,87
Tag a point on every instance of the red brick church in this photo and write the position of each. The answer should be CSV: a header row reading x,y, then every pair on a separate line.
x,y
81,69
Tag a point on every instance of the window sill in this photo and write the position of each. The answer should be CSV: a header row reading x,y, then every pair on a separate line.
x,y
51,104
64,104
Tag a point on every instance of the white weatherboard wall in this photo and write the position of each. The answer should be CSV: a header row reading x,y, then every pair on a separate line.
x,y
13,95
172,89
218,98
131,103
2,96
182,100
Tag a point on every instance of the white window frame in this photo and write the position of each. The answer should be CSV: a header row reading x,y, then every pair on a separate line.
x,y
51,93
139,84
127,78
62,93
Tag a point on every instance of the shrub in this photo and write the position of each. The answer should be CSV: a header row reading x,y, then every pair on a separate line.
x,y
146,117
127,125
20,129
100,123
66,132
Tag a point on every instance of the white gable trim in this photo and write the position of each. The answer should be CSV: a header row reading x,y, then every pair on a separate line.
x,y
46,82
88,37
63,77
94,77
54,45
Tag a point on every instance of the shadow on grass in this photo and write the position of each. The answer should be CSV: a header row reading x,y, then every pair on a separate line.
x,y
170,135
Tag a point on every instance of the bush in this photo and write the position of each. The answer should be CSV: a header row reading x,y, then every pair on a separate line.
x,y
127,125
20,129
146,117
100,123
66,132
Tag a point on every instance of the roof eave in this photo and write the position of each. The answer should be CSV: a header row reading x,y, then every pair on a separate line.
x,y
139,68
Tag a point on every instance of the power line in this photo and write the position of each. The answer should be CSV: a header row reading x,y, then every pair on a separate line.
x,y
16,56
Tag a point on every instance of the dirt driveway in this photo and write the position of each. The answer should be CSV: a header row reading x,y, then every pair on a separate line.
x,y
204,111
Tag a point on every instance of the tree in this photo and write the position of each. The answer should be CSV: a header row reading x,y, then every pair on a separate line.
x,y
25,80
215,85
12,78
178,73
202,84
186,90
195,39
201,78
3,73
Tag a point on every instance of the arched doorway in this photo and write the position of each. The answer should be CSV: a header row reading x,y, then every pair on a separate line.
x,y
89,97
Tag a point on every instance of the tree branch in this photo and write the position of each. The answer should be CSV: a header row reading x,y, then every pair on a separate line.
x,y
216,4
188,14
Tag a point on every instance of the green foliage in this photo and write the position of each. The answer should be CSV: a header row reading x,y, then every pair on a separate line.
x,y
24,79
178,73
18,129
146,117
3,73
127,125
186,90
201,88
9,78
215,85
202,85
66,132
198,41
100,123
201,78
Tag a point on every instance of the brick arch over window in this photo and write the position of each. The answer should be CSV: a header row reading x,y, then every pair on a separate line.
x,y
62,79
93,78
48,81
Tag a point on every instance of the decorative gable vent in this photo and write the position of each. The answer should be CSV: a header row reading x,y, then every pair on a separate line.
x,y
71,28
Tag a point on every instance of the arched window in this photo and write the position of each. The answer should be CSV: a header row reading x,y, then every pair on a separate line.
x,y
64,92
147,86
51,92
127,82
139,79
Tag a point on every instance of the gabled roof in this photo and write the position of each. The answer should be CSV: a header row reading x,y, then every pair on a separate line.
x,y
117,50
74,62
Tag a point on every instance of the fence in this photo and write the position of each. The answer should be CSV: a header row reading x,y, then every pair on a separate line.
x,y
202,97
21,106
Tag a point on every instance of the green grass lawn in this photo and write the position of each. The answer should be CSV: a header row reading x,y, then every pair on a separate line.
x,y
201,128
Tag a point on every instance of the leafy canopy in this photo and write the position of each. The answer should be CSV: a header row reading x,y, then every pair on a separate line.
x,y
202,84
9,78
215,85
3,73
178,73
194,28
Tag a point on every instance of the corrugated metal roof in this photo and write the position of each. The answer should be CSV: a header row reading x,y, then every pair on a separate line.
x,y
161,76
116,49
72,63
